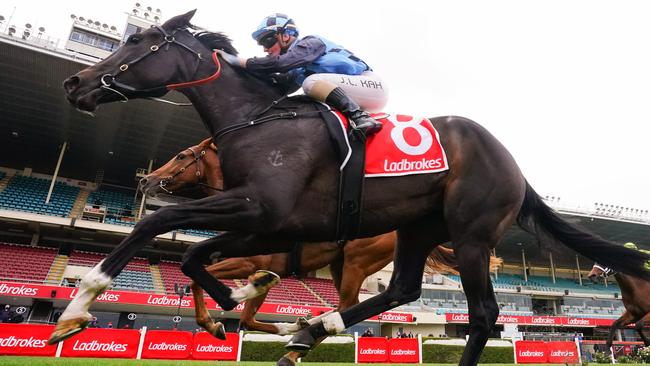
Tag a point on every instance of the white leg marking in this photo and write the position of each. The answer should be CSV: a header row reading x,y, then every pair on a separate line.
x,y
333,323
244,293
92,284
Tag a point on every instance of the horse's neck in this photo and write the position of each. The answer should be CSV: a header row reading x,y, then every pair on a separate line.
x,y
233,98
625,282
213,177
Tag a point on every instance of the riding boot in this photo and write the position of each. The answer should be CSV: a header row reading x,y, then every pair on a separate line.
x,y
360,118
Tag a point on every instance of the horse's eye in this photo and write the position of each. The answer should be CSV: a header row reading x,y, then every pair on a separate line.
x,y
180,157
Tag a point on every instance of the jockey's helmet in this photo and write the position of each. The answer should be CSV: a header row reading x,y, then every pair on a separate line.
x,y
275,24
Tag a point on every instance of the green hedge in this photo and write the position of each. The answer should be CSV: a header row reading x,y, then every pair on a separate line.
x,y
440,353
336,352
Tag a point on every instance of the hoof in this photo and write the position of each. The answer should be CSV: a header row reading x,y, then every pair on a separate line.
x,y
263,280
302,341
285,361
302,322
67,328
218,331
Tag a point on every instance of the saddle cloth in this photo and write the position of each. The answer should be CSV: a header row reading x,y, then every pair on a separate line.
x,y
405,145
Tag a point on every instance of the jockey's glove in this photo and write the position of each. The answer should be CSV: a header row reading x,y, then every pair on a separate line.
x,y
232,59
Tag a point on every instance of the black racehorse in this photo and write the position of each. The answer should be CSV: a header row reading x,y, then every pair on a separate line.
x,y
270,201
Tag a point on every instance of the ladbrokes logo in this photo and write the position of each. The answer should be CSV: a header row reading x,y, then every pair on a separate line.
x,y
293,310
394,317
507,319
167,301
212,348
577,321
18,290
164,346
405,165
30,342
107,296
402,352
98,346
460,317
542,320
372,351
562,353
531,353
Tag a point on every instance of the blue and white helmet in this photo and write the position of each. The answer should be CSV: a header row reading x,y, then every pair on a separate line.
x,y
275,23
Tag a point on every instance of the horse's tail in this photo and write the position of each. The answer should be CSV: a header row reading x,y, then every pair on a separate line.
x,y
538,218
443,260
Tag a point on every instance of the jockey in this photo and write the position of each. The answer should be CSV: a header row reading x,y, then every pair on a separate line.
x,y
326,71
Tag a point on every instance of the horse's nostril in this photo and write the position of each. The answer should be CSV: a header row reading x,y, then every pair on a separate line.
x,y
71,84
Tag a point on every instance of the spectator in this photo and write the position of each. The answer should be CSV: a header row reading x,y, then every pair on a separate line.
x,y
5,314
368,333
109,325
93,323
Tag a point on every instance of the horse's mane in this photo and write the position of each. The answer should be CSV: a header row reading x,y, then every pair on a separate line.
x,y
215,40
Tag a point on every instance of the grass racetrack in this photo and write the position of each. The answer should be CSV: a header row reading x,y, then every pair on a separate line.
x,y
47,361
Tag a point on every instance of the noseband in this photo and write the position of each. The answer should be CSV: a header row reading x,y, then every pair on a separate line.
x,y
110,83
170,179
606,271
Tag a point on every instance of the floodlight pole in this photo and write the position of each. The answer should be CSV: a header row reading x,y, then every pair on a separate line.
x,y
523,261
550,258
579,273
56,171
144,196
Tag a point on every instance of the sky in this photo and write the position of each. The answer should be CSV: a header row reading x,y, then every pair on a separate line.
x,y
564,85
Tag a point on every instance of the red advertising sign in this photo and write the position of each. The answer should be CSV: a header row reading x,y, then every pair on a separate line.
x,y
26,340
207,347
372,349
537,320
167,344
530,352
404,350
562,352
546,352
97,342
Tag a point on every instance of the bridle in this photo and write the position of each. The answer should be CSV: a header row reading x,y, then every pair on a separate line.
x,y
110,83
170,179
606,271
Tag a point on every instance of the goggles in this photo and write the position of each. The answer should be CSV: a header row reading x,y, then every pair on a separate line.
x,y
267,41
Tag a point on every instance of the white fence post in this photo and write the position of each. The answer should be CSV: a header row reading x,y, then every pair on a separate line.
x,y
143,331
241,341
356,347
59,348
420,346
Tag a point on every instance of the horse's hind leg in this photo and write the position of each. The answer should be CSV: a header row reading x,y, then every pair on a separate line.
x,y
414,244
473,261
639,328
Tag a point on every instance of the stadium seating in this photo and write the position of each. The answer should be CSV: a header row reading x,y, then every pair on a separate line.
x,y
135,277
28,194
324,288
25,263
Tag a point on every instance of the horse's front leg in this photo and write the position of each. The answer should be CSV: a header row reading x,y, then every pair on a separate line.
x,y
231,268
232,244
639,328
233,210
619,323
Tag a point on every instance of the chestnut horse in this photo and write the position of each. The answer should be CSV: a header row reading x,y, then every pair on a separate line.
x,y
635,293
271,202
349,265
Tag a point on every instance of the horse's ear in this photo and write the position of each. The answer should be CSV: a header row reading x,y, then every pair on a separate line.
x,y
179,21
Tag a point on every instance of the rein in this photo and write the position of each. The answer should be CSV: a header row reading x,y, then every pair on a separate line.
x,y
110,83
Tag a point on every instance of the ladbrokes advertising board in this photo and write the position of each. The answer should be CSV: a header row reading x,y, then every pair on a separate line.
x,y
207,347
167,344
26,340
97,342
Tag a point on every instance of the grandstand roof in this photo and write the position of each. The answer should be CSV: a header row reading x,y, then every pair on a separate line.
x,y
37,119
